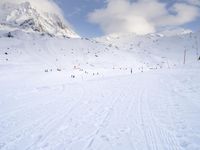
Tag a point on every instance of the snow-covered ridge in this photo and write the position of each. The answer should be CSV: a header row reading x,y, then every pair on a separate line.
x,y
174,32
162,33
25,17
84,57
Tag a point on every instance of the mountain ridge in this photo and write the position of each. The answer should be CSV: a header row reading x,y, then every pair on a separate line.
x,y
25,17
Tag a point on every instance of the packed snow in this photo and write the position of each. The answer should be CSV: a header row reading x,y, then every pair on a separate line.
x,y
118,92
152,110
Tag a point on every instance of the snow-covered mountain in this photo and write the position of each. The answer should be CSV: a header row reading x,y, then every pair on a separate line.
x,y
25,17
120,92
123,93
173,31
109,55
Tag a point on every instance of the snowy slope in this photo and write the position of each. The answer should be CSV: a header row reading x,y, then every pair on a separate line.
x,y
170,46
116,92
118,55
25,17
157,110
173,31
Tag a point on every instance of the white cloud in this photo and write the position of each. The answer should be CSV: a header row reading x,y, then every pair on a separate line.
x,y
193,2
142,16
183,14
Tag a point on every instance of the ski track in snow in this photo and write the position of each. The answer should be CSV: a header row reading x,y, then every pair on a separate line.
x,y
149,111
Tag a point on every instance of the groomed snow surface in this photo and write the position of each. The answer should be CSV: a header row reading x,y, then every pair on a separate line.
x,y
157,110
79,94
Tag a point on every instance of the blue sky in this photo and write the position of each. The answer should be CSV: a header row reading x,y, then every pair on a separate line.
x,y
76,12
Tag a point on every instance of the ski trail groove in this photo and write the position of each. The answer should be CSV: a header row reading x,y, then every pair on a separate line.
x,y
101,126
